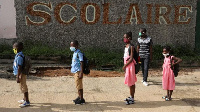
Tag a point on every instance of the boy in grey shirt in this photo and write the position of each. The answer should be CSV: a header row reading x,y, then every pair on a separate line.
x,y
144,48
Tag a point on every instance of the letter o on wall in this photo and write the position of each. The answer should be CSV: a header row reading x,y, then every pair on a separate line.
x,y
96,16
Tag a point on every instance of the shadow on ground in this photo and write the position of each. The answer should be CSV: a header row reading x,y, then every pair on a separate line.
x,y
101,106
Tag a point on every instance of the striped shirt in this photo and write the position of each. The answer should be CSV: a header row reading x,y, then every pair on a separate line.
x,y
144,47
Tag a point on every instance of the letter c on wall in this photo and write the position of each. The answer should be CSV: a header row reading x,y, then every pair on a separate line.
x,y
58,9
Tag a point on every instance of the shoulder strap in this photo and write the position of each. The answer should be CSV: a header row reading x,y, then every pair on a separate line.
x,y
77,54
129,49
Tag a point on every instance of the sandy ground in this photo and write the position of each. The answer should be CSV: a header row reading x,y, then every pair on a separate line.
x,y
55,94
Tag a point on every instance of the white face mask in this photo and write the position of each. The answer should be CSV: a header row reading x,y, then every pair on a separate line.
x,y
165,55
72,49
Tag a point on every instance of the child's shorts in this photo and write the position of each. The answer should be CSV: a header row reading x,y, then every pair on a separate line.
x,y
22,84
79,83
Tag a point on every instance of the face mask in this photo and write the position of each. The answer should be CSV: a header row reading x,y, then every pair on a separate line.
x,y
72,49
15,51
141,34
126,40
165,55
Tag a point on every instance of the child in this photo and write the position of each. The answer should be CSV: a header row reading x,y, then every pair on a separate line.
x,y
17,70
168,81
129,68
144,48
77,69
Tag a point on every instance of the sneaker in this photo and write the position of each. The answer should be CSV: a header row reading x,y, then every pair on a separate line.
x,y
80,102
145,83
21,101
127,98
142,81
76,99
24,104
129,101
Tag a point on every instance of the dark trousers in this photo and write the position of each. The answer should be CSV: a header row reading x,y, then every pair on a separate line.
x,y
145,67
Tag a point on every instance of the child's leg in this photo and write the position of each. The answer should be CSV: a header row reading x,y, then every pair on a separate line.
x,y
167,93
170,94
132,91
24,88
26,97
80,93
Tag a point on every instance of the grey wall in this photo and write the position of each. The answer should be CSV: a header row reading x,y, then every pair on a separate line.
x,y
104,35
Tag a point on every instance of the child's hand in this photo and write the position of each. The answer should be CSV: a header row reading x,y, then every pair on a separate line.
x,y
80,75
18,80
124,68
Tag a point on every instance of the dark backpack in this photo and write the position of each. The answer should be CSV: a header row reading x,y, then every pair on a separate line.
x,y
86,69
26,64
135,56
175,68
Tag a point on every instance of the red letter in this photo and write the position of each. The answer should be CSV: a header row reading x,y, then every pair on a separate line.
x,y
96,13
149,14
163,16
136,15
106,15
178,14
58,9
44,15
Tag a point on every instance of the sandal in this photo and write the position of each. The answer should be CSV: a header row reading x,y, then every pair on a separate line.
x,y
168,99
164,97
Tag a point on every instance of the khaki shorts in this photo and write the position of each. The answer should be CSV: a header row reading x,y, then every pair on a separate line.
x,y
79,83
22,84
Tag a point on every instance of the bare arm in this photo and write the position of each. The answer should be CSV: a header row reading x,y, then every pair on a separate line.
x,y
138,47
178,60
19,73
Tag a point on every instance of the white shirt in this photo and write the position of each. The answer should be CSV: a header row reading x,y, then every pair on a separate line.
x,y
126,52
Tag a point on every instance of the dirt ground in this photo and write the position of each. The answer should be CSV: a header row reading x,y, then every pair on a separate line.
x,y
103,91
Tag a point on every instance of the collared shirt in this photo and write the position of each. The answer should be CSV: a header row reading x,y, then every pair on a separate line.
x,y
18,61
76,61
144,44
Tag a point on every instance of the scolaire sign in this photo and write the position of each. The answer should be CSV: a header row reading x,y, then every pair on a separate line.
x,y
155,13
102,23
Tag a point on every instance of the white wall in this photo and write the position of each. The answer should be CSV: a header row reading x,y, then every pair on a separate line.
x,y
7,19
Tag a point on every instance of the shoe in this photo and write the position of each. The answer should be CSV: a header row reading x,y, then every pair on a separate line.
x,y
76,99
21,101
80,102
127,98
129,101
168,99
145,83
142,81
164,97
24,104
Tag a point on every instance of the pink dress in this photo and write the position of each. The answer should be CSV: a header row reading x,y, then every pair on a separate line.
x,y
168,81
130,77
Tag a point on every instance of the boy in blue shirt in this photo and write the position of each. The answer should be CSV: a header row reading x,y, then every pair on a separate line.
x,y
77,69
17,70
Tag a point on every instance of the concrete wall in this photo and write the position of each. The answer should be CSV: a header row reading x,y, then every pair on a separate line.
x,y
102,23
7,19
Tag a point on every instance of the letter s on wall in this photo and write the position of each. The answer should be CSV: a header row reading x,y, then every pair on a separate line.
x,y
44,15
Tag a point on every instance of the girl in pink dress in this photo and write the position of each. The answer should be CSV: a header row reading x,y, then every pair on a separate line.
x,y
129,67
168,81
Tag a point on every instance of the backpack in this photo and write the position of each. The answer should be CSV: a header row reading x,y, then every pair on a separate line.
x,y
135,56
86,69
175,68
26,64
